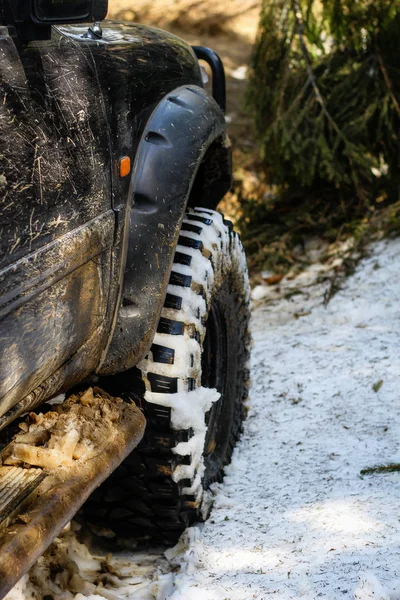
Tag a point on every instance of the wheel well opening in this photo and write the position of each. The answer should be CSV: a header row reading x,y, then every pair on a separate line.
x,y
214,175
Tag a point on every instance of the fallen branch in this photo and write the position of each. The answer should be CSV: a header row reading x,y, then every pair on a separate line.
x,y
390,468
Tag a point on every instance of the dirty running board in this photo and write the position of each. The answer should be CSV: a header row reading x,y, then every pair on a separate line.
x,y
36,503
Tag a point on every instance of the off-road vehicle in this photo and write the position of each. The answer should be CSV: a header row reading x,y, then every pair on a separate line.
x,y
115,288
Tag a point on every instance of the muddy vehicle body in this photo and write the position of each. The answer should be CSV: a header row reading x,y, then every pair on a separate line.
x,y
108,143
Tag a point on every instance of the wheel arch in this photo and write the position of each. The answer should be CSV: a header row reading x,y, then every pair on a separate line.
x,y
183,156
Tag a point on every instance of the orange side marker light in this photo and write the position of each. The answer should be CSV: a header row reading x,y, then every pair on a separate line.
x,y
124,166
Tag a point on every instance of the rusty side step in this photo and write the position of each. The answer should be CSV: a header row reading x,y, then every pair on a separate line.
x,y
52,466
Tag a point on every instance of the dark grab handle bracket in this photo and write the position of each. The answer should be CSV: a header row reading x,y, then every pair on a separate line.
x,y
218,73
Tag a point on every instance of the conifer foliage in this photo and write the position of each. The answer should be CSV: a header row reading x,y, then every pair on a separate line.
x,y
325,86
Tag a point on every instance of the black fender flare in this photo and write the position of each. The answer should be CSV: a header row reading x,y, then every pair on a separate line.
x,y
184,126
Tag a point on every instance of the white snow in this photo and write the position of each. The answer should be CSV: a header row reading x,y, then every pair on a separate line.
x,y
187,408
188,411
294,518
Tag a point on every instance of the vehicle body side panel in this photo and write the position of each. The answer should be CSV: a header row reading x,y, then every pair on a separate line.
x,y
53,301
136,67
57,225
70,108
55,167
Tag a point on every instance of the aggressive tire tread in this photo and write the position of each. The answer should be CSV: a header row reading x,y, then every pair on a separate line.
x,y
152,493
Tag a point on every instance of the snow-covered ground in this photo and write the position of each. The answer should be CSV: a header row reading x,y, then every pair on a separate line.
x,y
294,518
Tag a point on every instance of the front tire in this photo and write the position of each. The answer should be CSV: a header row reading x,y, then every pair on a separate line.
x,y
191,387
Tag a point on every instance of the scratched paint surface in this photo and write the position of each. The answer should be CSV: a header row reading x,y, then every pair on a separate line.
x,y
49,161
69,108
